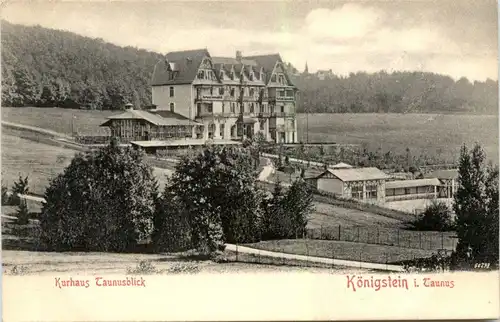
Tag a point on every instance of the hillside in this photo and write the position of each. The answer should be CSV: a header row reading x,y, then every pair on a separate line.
x,y
44,67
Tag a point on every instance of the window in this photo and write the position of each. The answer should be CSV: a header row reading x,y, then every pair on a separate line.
x,y
252,92
171,91
231,75
257,76
221,76
221,90
201,74
262,125
232,92
273,78
233,107
243,108
261,108
282,109
289,93
172,107
281,79
209,108
371,191
211,91
221,130
251,108
250,76
357,192
223,106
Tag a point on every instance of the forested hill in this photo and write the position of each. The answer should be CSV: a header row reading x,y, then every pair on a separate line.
x,y
45,67
398,92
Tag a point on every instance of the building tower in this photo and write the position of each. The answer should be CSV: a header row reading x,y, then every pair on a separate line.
x,y
306,69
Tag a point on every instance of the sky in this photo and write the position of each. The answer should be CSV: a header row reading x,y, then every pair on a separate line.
x,y
453,37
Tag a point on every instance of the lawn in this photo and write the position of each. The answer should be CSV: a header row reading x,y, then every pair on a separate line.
x,y
422,133
342,250
40,162
440,135
84,122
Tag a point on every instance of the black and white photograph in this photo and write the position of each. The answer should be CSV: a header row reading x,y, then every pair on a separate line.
x,y
249,160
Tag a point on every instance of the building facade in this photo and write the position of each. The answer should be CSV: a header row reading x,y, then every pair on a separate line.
x,y
412,189
139,125
363,184
231,98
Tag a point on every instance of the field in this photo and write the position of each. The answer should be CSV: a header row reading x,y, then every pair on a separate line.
x,y
440,135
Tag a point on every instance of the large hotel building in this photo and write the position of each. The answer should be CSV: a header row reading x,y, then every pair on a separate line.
x,y
227,98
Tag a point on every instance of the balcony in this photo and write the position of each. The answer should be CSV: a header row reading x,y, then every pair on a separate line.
x,y
208,97
281,99
413,196
215,114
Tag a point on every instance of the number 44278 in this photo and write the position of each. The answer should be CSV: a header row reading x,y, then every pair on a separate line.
x,y
482,265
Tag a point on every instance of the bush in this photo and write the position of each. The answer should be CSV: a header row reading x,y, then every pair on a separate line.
x,y
103,201
144,267
436,216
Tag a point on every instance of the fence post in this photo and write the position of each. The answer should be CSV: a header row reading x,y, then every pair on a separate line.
x,y
442,240
339,232
378,235
321,232
398,237
358,234
420,239
236,251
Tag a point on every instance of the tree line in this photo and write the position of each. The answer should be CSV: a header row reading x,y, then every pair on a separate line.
x,y
397,92
44,67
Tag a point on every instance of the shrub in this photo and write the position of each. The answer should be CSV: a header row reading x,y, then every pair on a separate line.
x,y
143,267
183,268
103,201
436,216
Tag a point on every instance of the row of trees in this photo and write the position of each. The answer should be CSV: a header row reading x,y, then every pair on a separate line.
x,y
108,201
44,67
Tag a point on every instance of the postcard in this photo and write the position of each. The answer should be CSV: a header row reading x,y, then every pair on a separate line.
x,y
249,160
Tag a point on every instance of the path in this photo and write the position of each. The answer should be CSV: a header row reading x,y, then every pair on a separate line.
x,y
331,261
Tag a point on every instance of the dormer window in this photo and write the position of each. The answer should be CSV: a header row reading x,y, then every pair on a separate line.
x,y
273,78
221,76
257,76
231,75
201,74
250,76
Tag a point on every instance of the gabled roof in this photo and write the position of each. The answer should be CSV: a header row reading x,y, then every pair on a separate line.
x,y
341,165
152,118
412,183
443,174
266,61
187,62
357,174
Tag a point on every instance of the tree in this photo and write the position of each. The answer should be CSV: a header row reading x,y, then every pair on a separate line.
x,y
103,201
20,187
437,216
276,224
475,203
218,190
22,213
298,205
171,227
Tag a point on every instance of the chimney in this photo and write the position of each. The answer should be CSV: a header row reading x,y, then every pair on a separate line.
x,y
238,56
